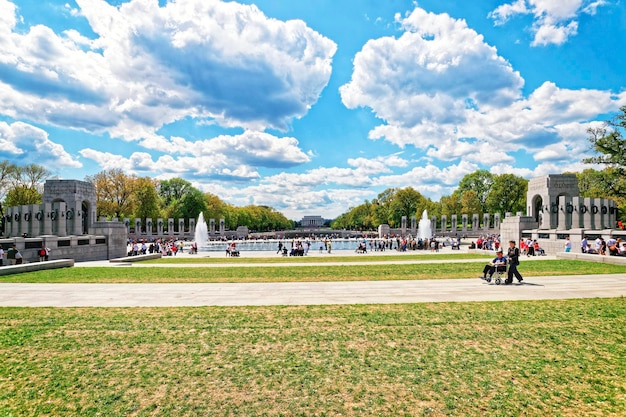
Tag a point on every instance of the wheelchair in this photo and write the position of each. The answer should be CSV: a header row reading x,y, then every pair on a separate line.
x,y
499,274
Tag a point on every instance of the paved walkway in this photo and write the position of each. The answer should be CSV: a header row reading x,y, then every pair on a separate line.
x,y
309,293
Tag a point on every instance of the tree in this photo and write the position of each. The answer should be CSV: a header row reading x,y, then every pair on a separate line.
x,y
22,195
471,203
114,193
609,142
22,185
451,204
405,203
479,182
507,194
146,199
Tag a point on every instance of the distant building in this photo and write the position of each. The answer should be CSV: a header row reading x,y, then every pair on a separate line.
x,y
312,221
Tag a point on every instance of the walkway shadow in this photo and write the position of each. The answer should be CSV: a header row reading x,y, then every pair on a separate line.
x,y
531,284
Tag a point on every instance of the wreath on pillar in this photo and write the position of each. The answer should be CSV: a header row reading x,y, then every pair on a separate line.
x,y
39,215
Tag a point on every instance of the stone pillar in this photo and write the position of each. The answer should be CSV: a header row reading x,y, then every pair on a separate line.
x,y
149,226
577,218
76,218
413,225
137,227
211,227
192,227
474,222
127,225
403,225
58,217
222,227
464,220
24,211
444,223
564,221
45,218
496,221
486,221
160,227
170,226
604,214
586,213
181,227
453,225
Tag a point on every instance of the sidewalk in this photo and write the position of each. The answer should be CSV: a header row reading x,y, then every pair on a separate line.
x,y
309,293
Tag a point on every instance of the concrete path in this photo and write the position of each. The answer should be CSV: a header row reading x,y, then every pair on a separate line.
x,y
310,293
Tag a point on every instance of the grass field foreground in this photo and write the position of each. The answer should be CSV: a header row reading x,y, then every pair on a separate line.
x,y
541,358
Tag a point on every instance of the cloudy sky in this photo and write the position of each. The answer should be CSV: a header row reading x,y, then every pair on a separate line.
x,y
310,107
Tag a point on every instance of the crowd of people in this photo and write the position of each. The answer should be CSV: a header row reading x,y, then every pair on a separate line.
x,y
600,246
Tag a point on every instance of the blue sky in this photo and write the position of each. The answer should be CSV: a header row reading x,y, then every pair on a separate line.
x,y
310,107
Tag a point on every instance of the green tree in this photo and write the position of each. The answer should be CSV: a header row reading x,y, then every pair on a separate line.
x,y
146,199
507,194
405,203
114,193
470,203
22,195
451,204
479,182
608,141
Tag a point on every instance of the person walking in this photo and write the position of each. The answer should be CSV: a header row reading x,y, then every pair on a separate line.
x,y
513,255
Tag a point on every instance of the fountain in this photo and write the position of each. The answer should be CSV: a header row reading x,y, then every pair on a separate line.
x,y
424,230
201,234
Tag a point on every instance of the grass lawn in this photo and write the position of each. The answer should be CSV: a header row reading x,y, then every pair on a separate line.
x,y
348,272
539,358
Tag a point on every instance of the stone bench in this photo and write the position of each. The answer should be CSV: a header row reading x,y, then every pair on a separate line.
x,y
36,266
607,259
137,258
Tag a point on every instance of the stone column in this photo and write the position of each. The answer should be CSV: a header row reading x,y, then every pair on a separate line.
x,y
149,226
222,227
576,213
192,227
24,223
45,219
137,228
564,218
127,225
474,222
403,225
444,223
586,213
413,225
58,218
76,219
604,214
453,224
496,221
464,220
211,227
486,221
160,227
181,227
170,226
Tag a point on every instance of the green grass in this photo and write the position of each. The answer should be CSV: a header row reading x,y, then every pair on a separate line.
x,y
469,269
535,358
219,258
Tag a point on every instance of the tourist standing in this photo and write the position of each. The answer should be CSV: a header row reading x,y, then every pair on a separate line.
x,y
513,256
568,244
1,256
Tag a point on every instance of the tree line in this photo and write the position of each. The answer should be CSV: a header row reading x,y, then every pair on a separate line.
x,y
119,195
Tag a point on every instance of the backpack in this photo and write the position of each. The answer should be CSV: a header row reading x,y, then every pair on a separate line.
x,y
42,252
